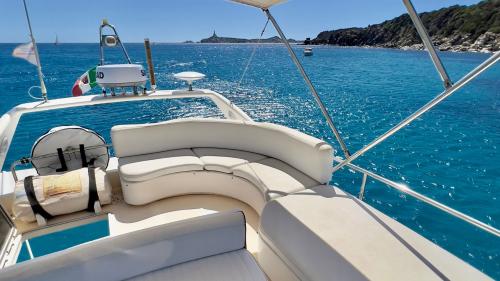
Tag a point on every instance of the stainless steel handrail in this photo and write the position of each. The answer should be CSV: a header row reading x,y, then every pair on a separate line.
x,y
407,190
426,39
306,78
105,23
449,90
431,104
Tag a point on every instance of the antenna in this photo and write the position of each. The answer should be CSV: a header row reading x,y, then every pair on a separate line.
x,y
38,64
110,40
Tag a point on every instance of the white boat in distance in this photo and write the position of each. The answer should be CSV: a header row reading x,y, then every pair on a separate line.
x,y
308,52
209,199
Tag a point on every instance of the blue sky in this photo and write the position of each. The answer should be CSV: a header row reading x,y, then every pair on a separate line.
x,y
177,21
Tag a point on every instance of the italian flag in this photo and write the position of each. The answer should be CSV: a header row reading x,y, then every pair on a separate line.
x,y
85,83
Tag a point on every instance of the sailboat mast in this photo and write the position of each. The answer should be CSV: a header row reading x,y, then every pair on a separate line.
x,y
39,66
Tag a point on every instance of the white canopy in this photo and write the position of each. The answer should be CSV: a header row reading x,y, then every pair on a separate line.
x,y
262,4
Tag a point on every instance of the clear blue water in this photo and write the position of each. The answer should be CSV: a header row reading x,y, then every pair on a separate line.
x,y
64,239
450,154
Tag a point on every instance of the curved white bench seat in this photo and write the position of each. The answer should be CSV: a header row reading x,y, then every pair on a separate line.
x,y
250,161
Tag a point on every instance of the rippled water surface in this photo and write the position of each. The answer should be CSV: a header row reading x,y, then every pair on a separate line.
x,y
450,154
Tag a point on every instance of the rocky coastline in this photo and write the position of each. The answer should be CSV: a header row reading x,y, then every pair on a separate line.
x,y
474,28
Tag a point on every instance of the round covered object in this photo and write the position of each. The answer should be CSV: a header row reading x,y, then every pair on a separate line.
x,y
45,156
120,75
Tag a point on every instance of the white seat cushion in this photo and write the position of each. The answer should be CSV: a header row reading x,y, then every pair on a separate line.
x,y
274,177
150,166
225,160
238,265
139,252
150,177
324,233
240,148
310,155
199,182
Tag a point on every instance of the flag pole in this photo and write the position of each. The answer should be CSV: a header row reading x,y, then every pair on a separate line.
x,y
38,64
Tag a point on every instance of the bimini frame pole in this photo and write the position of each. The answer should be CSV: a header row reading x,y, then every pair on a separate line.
x,y
426,39
149,59
308,82
37,57
448,92
101,44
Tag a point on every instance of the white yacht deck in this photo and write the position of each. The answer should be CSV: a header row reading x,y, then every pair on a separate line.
x,y
330,232
297,227
207,198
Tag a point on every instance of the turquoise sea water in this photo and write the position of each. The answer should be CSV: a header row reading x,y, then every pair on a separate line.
x,y
450,154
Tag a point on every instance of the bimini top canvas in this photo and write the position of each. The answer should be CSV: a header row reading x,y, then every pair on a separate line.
x,y
262,4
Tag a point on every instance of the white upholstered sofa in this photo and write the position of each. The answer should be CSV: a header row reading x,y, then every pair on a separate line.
x,y
250,161
210,247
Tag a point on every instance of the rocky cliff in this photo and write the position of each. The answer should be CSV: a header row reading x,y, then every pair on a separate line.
x,y
456,28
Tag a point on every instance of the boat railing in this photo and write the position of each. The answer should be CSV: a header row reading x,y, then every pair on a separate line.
x,y
449,89
10,120
403,188
28,160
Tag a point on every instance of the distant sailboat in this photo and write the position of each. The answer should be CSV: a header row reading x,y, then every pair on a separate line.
x,y
57,41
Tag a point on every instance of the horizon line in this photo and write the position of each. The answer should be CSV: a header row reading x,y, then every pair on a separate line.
x,y
142,42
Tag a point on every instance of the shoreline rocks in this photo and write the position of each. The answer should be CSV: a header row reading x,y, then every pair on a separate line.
x,y
474,28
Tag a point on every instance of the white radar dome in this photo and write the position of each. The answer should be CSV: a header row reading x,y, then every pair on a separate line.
x,y
189,77
120,75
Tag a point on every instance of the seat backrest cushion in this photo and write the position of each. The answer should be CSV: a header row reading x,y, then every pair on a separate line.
x,y
324,233
310,155
136,253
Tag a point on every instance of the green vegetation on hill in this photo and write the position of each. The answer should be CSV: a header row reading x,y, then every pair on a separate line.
x,y
460,28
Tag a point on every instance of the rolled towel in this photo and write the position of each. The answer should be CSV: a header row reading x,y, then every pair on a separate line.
x,y
61,194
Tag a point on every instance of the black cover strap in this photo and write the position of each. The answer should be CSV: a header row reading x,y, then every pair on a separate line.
x,y
93,196
83,156
60,154
35,205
